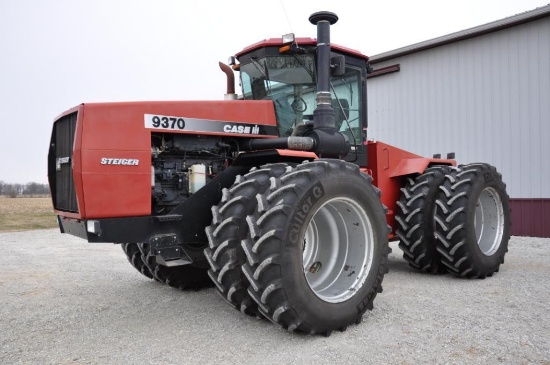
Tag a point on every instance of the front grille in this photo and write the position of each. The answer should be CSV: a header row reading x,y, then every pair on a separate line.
x,y
60,164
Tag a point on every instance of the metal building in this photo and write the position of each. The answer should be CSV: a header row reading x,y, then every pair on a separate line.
x,y
483,93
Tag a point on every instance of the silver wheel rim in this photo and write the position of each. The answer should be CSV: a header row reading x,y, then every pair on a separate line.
x,y
338,250
489,221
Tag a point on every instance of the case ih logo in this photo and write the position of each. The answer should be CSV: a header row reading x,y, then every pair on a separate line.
x,y
119,161
234,128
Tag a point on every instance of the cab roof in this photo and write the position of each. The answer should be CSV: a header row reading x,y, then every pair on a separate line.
x,y
278,42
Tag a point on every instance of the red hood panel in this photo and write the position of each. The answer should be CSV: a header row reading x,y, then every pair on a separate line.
x,y
112,147
128,125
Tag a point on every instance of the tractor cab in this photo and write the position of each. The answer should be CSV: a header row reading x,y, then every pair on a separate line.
x,y
285,72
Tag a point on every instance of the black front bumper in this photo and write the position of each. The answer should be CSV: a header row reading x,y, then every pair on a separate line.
x,y
189,237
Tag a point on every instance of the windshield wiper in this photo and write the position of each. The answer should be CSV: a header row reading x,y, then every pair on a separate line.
x,y
341,107
304,67
258,66
264,72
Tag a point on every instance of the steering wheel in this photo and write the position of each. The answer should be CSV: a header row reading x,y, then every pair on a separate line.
x,y
298,105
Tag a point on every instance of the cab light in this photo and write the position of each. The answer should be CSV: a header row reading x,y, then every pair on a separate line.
x,y
284,49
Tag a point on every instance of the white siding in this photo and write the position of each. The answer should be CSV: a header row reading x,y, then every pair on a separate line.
x,y
486,98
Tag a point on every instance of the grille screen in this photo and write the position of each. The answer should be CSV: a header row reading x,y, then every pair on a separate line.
x,y
60,163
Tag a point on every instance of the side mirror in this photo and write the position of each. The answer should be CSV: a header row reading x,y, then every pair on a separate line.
x,y
338,65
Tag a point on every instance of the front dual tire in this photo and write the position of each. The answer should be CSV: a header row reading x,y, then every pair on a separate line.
x,y
316,247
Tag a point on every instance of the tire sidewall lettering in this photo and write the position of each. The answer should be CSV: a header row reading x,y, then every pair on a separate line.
x,y
310,202
294,244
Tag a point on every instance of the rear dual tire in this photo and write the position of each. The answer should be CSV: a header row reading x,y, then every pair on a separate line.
x,y
455,219
415,219
473,221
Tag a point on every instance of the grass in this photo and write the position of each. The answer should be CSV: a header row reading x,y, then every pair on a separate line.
x,y
21,214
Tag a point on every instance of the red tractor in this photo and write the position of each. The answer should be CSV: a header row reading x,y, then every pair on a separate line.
x,y
276,197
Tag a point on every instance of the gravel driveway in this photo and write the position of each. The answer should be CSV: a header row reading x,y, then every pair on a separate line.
x,y
66,301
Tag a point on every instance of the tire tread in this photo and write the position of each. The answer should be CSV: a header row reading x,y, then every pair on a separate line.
x,y
226,251
454,220
264,244
415,216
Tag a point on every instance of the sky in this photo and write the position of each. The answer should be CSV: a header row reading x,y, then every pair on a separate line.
x,y
56,54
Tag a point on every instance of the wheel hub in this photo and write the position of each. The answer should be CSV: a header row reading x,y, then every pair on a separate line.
x,y
338,251
489,221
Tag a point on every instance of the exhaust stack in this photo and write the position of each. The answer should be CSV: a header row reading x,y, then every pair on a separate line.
x,y
323,139
324,112
328,141
230,95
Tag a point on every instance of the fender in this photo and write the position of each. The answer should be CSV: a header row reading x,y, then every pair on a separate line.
x,y
256,158
388,165
417,165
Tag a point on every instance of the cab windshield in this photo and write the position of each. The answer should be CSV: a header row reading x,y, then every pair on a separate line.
x,y
289,80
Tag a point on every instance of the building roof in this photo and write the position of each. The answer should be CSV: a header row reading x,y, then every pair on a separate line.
x,y
512,21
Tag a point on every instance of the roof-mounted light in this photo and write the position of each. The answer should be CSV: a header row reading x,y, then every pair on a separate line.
x,y
232,61
288,38
288,42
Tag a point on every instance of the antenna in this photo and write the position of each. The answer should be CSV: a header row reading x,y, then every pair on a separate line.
x,y
286,16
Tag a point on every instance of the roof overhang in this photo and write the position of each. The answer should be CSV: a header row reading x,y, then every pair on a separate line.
x,y
278,42
512,21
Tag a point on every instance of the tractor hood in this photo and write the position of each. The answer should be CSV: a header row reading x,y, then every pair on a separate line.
x,y
128,125
101,152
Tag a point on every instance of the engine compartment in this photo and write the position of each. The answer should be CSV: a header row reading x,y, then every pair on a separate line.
x,y
182,164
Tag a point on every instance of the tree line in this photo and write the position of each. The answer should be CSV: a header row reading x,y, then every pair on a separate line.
x,y
27,190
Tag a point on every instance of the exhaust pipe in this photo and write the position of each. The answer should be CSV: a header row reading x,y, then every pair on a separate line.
x,y
230,95
323,139
287,143
323,20
328,141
